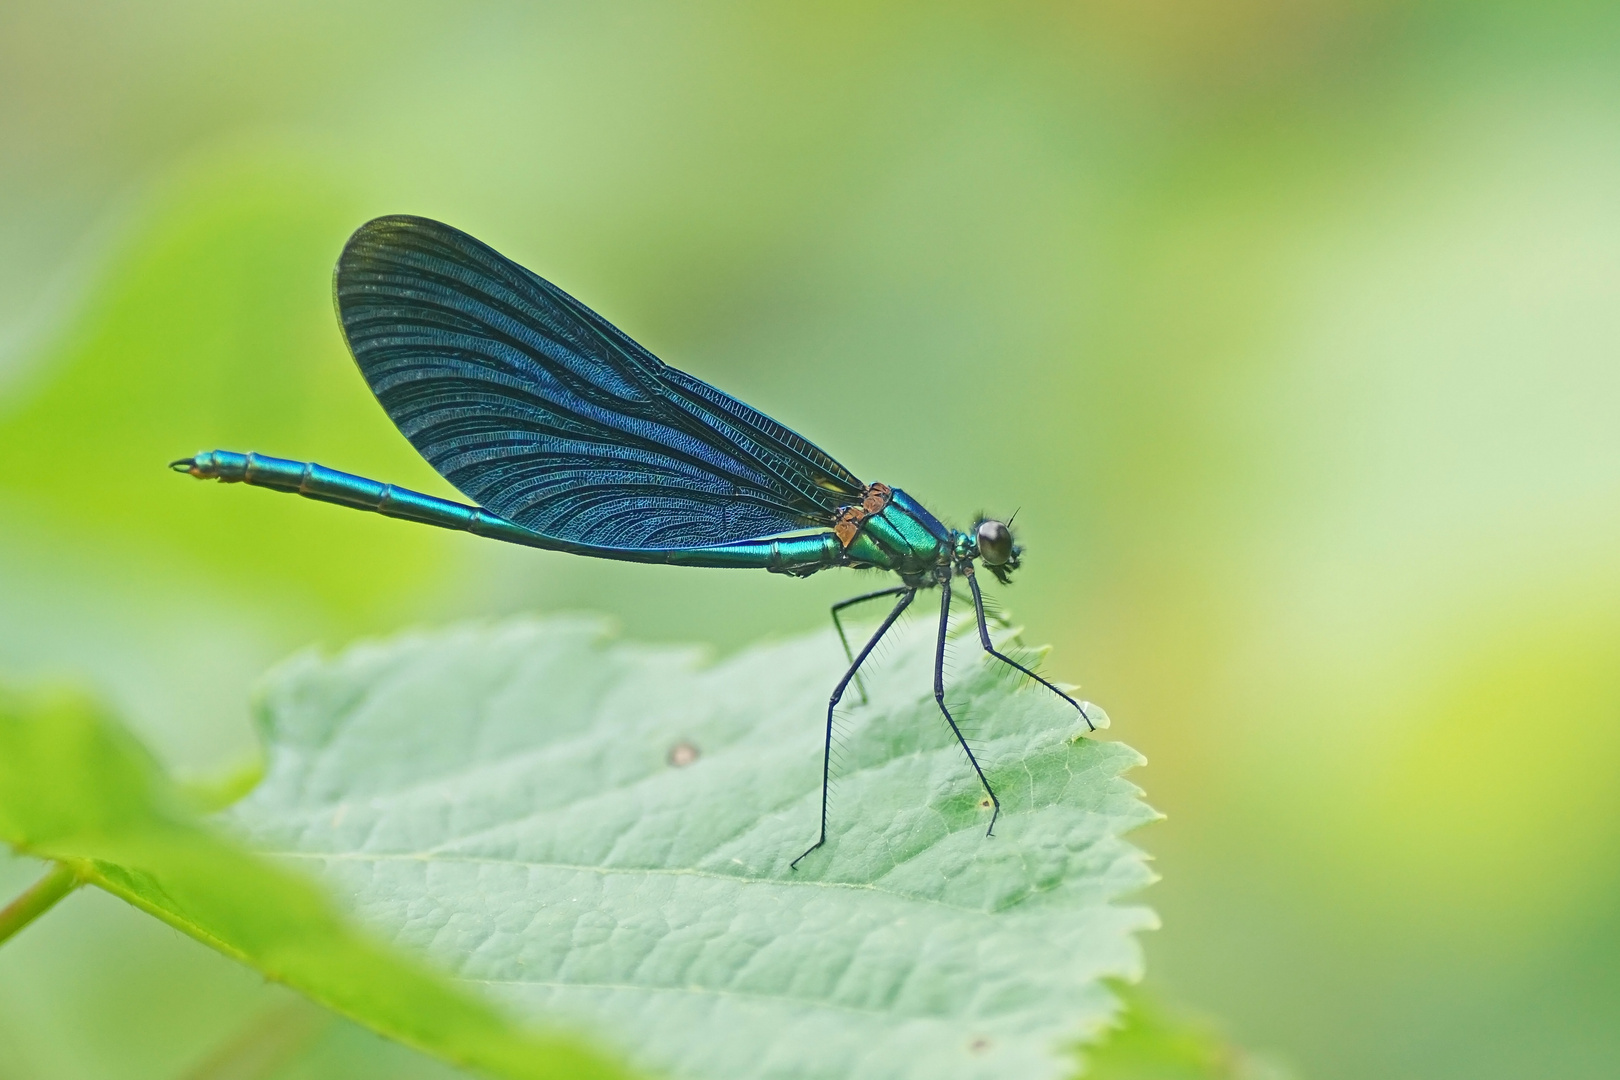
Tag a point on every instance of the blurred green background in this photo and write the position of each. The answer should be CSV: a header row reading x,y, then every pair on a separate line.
x,y
1293,328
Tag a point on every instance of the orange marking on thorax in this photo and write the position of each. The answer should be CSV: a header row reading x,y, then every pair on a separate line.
x,y
851,518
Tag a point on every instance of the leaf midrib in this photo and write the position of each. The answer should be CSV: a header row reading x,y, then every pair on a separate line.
x,y
488,860
705,991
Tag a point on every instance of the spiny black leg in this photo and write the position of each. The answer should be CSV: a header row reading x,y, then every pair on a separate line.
x,y
840,606
984,639
909,594
939,696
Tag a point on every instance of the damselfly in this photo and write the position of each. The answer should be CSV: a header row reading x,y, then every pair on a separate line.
x,y
569,436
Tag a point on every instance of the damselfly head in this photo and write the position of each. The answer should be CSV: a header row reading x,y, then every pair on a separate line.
x,y
995,548
995,542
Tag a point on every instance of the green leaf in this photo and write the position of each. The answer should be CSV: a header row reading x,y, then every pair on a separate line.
x,y
509,799
76,788
1156,1043
212,326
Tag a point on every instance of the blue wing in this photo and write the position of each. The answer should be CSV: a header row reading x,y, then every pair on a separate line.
x,y
537,408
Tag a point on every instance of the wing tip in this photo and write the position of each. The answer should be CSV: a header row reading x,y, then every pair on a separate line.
x,y
380,230
380,243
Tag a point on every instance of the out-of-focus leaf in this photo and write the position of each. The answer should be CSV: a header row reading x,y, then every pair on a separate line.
x,y
76,788
602,832
1154,1043
214,327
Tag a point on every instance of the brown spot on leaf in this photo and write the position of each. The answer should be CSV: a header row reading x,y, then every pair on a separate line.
x,y
682,754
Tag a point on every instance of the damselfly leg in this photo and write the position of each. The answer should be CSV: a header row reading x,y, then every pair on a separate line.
x,y
939,696
860,687
907,596
989,647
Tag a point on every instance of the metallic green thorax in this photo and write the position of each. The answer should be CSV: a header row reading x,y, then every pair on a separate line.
x,y
902,537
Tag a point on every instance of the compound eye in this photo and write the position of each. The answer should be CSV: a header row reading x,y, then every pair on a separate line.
x,y
995,543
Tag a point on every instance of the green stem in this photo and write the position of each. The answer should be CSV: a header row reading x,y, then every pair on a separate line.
x,y
41,896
